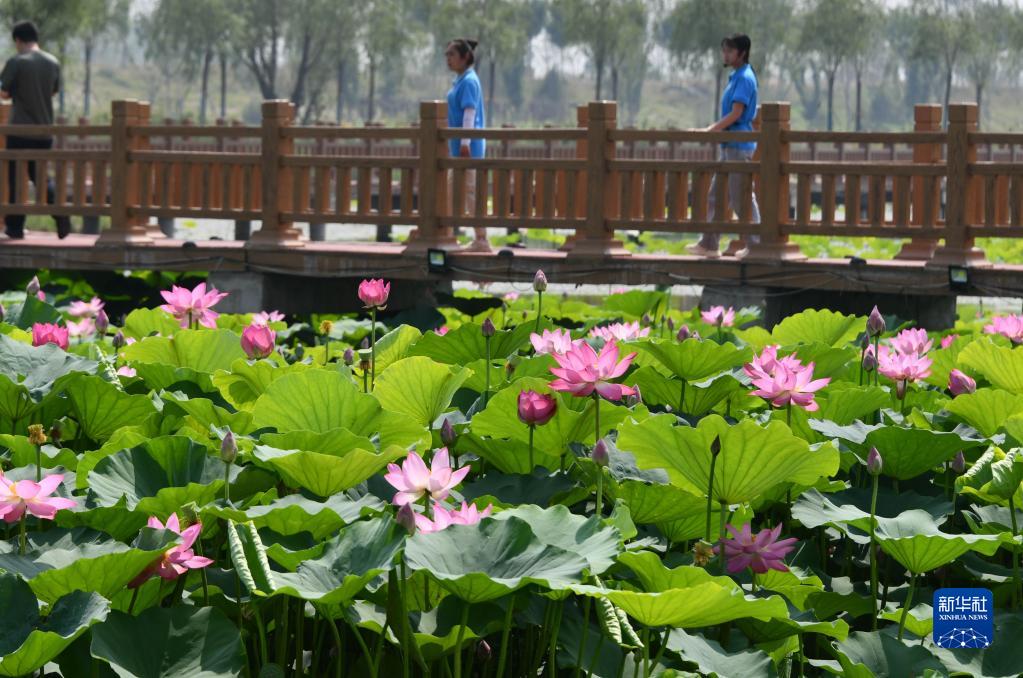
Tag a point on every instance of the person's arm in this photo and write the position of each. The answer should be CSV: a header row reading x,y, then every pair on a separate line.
x,y
724,123
468,122
7,79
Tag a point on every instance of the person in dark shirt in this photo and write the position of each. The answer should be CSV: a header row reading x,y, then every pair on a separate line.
x,y
30,79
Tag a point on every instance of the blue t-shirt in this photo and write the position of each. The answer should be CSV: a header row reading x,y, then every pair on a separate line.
x,y
742,88
466,92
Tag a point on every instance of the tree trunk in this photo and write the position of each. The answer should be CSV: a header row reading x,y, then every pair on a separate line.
x,y
614,83
715,105
372,88
62,55
980,100
207,59
859,100
223,85
831,99
87,80
492,85
340,104
598,64
948,90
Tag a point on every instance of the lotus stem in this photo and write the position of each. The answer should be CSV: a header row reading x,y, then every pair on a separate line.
x,y
299,639
586,636
1015,555
227,483
646,651
873,550
502,656
536,326
596,417
263,654
722,516
326,350
788,415
682,399
486,387
373,349
362,646
907,605
458,643
39,463
532,428
21,535
340,646
877,340
600,491
710,492
282,632
552,663
403,592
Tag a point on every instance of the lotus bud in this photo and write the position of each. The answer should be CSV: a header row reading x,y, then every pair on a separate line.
x,y
365,343
56,431
3,312
326,326
960,383
539,281
525,314
407,518
865,341
715,447
671,324
702,553
634,399
228,448
869,361
364,357
36,436
536,409
119,341
875,323
600,456
32,289
900,389
483,651
874,462
683,333
102,322
447,434
646,320
348,356
959,463
188,514
488,328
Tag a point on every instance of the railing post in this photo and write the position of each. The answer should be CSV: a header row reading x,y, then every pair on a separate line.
x,y
582,119
597,238
429,234
958,249
157,230
276,231
124,180
774,243
926,119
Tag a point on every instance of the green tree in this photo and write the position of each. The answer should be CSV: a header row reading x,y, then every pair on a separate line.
x,y
98,19
943,30
994,26
594,26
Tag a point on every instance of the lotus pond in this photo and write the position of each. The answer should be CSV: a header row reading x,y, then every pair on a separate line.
x,y
528,485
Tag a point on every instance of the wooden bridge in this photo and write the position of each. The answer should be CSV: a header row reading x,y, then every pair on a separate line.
x,y
938,187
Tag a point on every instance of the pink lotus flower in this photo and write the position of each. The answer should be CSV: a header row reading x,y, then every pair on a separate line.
x,y
719,315
265,318
619,290
86,309
536,409
258,341
125,371
768,363
946,341
49,333
760,553
195,305
796,386
442,517
911,341
1009,326
176,560
903,367
550,342
959,383
442,330
374,293
83,328
511,297
25,495
413,479
620,332
582,371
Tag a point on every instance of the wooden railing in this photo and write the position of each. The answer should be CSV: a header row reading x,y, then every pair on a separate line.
x,y
938,184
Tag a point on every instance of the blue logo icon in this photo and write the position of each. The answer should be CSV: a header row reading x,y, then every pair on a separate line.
x,y
963,618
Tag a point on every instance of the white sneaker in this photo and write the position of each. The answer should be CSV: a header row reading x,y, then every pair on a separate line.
x,y
700,251
479,245
739,254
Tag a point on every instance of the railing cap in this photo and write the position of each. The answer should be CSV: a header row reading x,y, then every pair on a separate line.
x,y
278,108
927,113
602,110
962,112
780,111
433,109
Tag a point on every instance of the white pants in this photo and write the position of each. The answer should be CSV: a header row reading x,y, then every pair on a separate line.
x,y
735,197
469,199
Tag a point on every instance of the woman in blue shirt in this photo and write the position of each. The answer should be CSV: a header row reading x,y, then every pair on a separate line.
x,y
465,110
738,108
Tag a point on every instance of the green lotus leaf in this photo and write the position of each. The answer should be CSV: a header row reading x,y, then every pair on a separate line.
x,y
27,641
699,398
852,508
325,474
101,407
204,351
500,419
322,400
122,439
142,322
58,562
29,312
170,642
870,655
634,303
488,560
204,414
1002,366
159,476
507,456
18,451
843,402
349,563
394,346
466,344
919,619
813,325
753,459
657,503
293,514
418,387
995,476
987,409
246,380
1003,658
915,541
557,526
692,359
712,659
337,441
28,374
248,556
